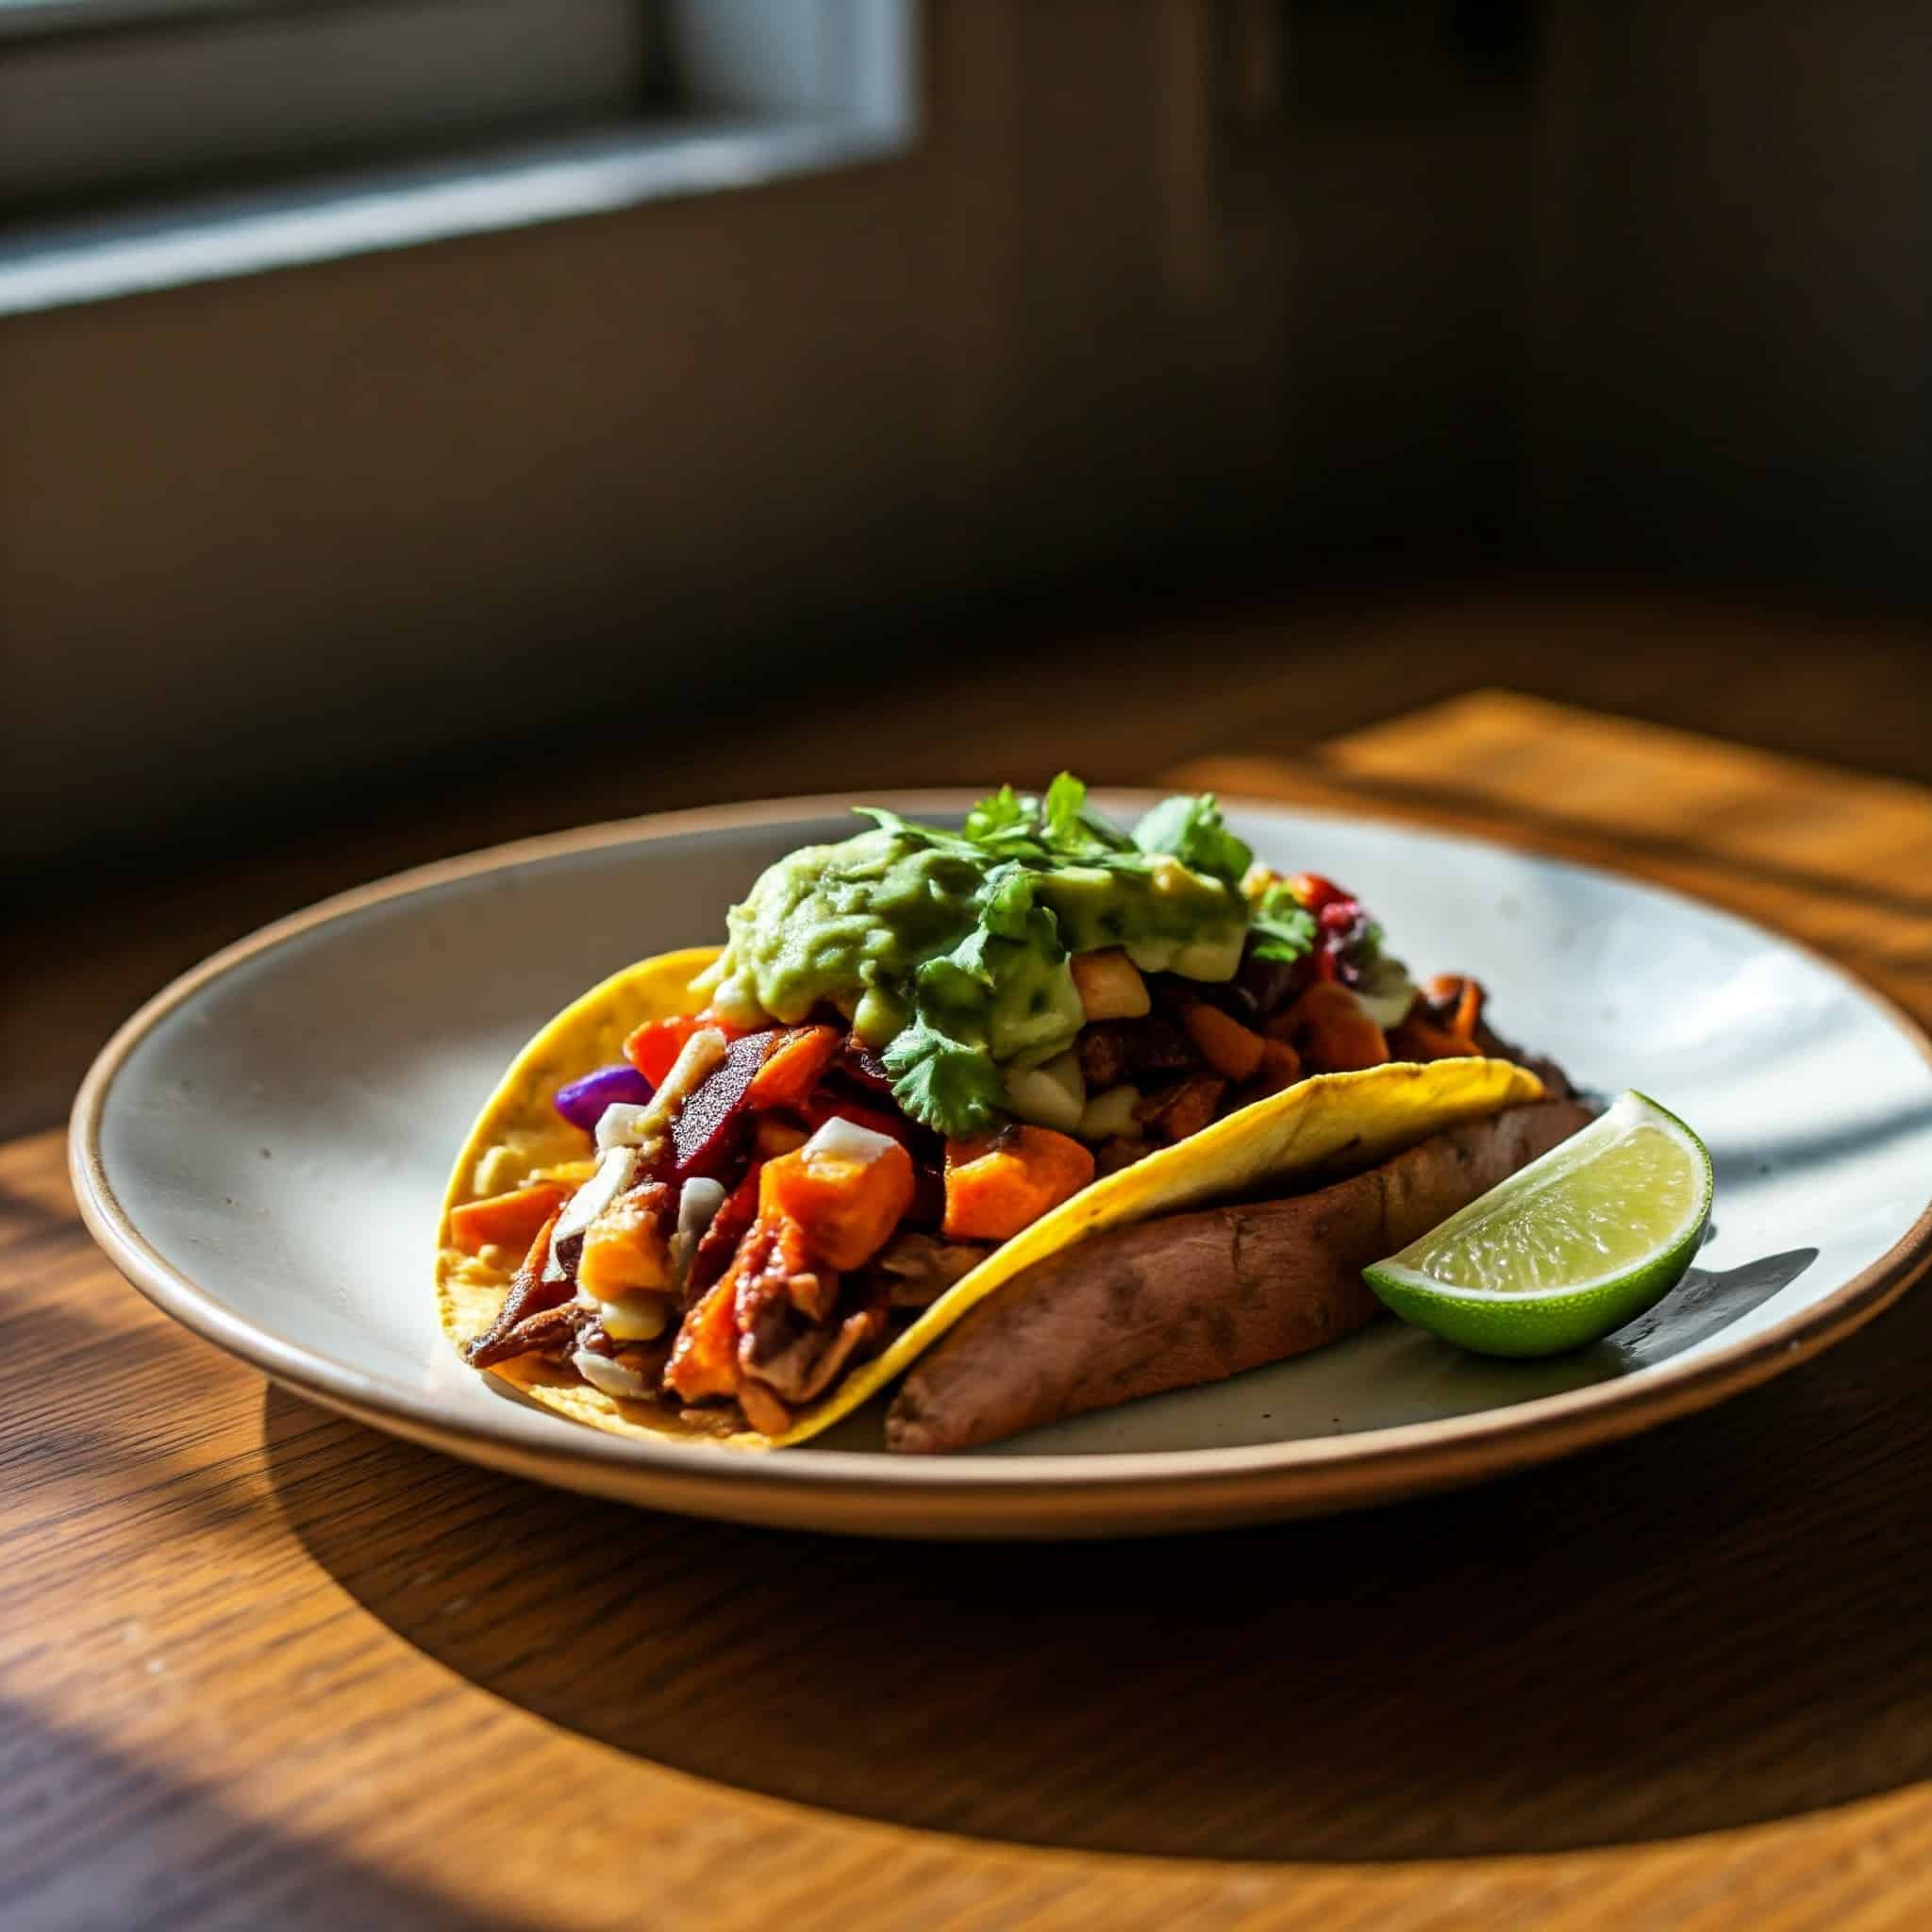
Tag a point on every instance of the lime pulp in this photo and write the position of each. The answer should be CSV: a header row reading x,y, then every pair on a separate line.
x,y
1566,1250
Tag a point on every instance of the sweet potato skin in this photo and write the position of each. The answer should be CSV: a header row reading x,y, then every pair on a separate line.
x,y
1192,1298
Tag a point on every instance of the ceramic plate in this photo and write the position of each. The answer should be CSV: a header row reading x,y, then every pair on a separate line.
x,y
261,1150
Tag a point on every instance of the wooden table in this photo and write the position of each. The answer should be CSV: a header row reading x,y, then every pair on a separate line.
x,y
261,1667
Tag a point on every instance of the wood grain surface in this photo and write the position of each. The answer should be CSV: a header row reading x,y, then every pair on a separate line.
x,y
262,1667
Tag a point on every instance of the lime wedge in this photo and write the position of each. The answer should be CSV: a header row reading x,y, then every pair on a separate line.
x,y
1568,1248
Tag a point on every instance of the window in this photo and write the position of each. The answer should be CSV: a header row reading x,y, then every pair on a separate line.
x,y
150,142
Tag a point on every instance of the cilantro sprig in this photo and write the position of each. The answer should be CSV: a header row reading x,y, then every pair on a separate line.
x,y
1282,927
944,1071
1192,830
949,1083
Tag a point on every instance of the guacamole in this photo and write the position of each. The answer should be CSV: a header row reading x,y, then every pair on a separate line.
x,y
949,950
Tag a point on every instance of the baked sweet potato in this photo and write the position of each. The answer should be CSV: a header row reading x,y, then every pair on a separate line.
x,y
1192,1298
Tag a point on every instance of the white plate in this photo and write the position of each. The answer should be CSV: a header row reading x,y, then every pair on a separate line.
x,y
263,1149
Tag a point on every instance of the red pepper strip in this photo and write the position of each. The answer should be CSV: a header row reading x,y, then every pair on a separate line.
x,y
1314,891
653,1047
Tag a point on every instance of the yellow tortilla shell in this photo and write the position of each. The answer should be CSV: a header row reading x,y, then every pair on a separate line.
x,y
1330,1123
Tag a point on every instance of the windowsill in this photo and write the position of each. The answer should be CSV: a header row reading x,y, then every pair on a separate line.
x,y
57,265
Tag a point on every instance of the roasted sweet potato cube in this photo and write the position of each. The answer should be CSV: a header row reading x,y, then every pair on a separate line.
x,y
1109,985
792,1068
848,1208
627,1247
1233,1051
1328,1027
995,1188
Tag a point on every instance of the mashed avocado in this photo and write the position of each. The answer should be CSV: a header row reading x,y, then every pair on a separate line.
x,y
949,950
829,922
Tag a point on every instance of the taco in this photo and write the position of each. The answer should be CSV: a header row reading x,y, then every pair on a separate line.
x,y
732,1193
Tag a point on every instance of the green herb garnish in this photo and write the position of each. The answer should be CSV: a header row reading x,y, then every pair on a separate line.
x,y
1282,927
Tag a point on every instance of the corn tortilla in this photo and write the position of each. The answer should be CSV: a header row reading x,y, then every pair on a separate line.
x,y
1327,1123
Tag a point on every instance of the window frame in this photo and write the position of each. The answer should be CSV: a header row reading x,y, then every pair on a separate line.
x,y
764,89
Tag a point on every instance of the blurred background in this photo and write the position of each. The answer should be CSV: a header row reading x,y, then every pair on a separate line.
x,y
428,421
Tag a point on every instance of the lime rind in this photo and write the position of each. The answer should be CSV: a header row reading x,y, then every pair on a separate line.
x,y
1570,1313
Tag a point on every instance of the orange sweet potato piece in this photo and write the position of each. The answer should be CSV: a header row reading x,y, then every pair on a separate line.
x,y
509,1220
704,1359
1327,1026
1233,1051
1109,985
995,1188
625,1248
793,1067
848,1208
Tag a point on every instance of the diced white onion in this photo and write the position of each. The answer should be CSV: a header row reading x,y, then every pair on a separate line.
x,y
839,1139
636,1317
1386,992
625,1125
1110,1114
615,1168
1213,960
621,1124
1054,1095
698,1055
609,1377
697,1208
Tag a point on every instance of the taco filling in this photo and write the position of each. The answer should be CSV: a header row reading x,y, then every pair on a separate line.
x,y
914,1045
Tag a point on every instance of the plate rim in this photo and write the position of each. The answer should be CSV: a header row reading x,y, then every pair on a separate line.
x,y
1006,1493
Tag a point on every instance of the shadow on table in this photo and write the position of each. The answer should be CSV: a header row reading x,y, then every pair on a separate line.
x,y
152,1848
1720,1624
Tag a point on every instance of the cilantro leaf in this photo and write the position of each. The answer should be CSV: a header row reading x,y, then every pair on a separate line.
x,y
1057,828
1060,809
942,1063
1283,927
1192,830
951,1085
999,818
935,835
1287,939
1073,832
